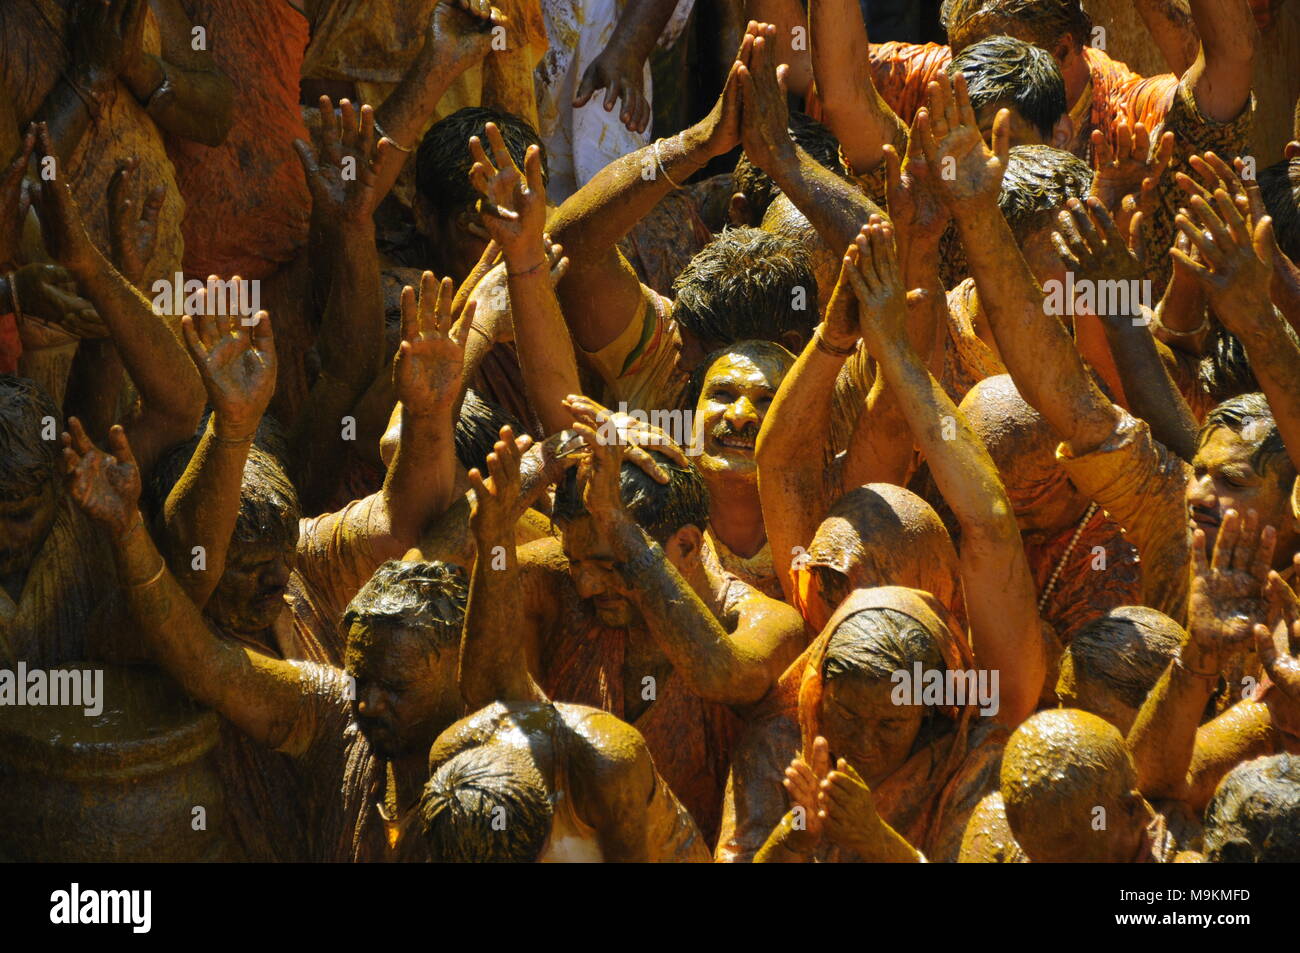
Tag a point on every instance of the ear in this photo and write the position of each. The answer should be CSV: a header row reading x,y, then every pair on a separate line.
x,y
683,547
738,210
794,341
1062,131
1064,48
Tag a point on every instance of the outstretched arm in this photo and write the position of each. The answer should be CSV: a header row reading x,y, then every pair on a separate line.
x,y
1235,270
601,291
496,644
851,106
1033,344
171,394
1227,597
257,693
735,668
1001,599
237,365
1091,245
1221,76
514,214
835,206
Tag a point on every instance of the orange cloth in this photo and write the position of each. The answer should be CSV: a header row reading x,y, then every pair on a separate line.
x,y
248,207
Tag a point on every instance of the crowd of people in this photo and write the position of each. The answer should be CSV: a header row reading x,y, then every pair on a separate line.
x,y
808,449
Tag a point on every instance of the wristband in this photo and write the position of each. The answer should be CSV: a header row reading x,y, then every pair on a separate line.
x,y
660,163
827,348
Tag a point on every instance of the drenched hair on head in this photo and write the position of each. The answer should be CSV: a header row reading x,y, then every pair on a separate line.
x,y
442,162
1251,412
659,509
1126,650
810,135
1045,20
757,351
1038,182
27,462
1279,185
1254,816
743,285
424,597
1224,369
875,643
486,804
268,502
478,428
1004,71
1060,756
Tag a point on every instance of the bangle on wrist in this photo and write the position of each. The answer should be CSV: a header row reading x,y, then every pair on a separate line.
x,y
527,271
827,348
396,145
1156,322
162,568
660,163
1208,676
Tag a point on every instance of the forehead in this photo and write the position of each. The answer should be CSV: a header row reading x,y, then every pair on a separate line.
x,y
744,370
581,540
1220,446
378,646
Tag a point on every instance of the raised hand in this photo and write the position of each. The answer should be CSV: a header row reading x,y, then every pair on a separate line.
x,y
636,435
53,313
882,299
132,222
14,202
765,115
803,785
1227,594
492,510
1092,246
950,138
106,486
430,359
599,473
237,365
847,809
911,193
619,70
840,327
513,206
341,169
1236,264
460,31
1134,167
62,227
1277,642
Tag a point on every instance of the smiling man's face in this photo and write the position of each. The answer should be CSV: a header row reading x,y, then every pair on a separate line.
x,y
737,391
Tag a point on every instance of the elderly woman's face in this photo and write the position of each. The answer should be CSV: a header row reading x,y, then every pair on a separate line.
x,y
863,725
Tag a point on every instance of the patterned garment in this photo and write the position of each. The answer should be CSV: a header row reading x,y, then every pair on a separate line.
x,y
581,142
1142,485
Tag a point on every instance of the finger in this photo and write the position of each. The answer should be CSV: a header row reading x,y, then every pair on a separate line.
x,y
410,324
80,442
1232,218
1100,149
587,87
198,352
1067,254
1123,140
442,306
1247,543
1204,243
427,305
263,336
1226,542
119,446
647,464
1264,554
500,154
533,171
1200,561
1002,136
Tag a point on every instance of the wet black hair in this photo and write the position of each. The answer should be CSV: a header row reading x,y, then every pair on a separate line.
x,y
1279,184
757,350
744,284
442,162
1254,816
814,138
28,462
269,509
486,804
478,428
878,642
1267,449
1004,71
659,509
1039,181
1128,649
1046,20
424,597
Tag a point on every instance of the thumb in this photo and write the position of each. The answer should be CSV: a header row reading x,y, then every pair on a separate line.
x,y
587,87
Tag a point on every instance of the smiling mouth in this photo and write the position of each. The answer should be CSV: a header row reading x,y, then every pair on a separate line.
x,y
736,442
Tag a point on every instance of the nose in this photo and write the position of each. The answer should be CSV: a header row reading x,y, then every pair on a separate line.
x,y
740,413
370,701
276,573
1200,492
588,583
